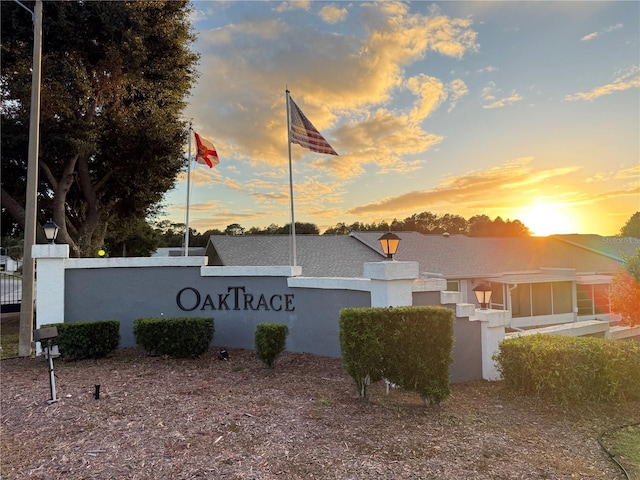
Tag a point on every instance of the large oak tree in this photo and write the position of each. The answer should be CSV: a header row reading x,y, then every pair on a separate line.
x,y
115,78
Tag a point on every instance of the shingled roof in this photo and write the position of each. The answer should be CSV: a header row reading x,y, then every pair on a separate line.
x,y
453,256
318,255
459,256
615,247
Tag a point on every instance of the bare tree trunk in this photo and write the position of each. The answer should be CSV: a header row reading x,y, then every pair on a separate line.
x,y
60,188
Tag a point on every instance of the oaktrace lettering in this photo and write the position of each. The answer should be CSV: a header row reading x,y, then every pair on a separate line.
x,y
189,299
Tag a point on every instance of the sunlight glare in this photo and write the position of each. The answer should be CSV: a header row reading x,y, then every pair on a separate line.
x,y
546,218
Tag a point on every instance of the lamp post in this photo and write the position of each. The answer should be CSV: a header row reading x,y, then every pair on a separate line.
x,y
51,231
31,201
483,294
389,243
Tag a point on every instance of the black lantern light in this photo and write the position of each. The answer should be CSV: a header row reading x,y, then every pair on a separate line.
x,y
483,294
389,242
50,231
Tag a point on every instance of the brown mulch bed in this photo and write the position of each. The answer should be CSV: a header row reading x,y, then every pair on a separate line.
x,y
163,418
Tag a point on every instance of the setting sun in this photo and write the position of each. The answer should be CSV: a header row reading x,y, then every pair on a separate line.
x,y
544,219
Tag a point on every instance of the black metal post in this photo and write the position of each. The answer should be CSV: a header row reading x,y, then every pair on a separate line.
x,y
52,377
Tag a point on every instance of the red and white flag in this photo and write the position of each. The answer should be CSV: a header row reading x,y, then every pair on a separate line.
x,y
305,134
206,152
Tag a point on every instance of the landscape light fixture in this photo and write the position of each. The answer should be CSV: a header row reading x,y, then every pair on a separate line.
x,y
389,242
483,294
46,336
51,231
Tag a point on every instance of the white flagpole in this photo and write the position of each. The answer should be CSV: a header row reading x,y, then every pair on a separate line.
x,y
186,228
293,221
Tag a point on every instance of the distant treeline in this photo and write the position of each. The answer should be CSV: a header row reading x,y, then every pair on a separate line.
x,y
172,234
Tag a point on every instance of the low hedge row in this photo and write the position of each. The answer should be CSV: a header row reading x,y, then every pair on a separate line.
x,y
180,337
409,346
82,340
571,369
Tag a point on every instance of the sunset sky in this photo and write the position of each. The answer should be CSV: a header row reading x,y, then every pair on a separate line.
x,y
523,110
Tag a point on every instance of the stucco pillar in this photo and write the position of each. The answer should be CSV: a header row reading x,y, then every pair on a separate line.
x,y
50,260
391,282
492,332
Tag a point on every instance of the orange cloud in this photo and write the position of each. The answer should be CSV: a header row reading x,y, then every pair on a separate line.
x,y
431,92
293,5
333,14
474,187
627,79
244,114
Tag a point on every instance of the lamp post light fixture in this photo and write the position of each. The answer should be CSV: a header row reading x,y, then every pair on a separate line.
x,y
483,294
51,231
389,242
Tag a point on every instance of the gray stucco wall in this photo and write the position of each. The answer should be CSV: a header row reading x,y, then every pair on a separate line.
x,y
237,304
317,322
467,351
425,299
467,345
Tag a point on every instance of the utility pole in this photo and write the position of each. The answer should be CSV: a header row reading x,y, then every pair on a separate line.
x,y
31,204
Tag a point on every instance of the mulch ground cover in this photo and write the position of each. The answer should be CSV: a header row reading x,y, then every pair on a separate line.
x,y
163,418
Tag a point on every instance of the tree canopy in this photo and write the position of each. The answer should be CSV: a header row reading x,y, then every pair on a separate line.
x,y
115,77
431,223
632,227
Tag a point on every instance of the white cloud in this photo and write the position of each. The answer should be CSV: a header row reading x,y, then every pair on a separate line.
x,y
606,30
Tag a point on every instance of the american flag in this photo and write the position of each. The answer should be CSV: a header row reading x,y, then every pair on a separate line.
x,y
305,134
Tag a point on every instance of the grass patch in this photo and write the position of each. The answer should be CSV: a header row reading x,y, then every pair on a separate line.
x,y
624,444
9,335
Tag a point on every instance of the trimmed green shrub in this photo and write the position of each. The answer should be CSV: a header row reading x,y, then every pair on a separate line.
x,y
270,341
419,341
362,346
571,369
409,346
80,340
181,337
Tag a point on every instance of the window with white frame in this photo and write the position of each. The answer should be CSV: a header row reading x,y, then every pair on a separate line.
x,y
538,299
593,299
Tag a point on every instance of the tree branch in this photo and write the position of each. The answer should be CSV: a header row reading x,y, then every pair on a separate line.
x,y
13,207
49,174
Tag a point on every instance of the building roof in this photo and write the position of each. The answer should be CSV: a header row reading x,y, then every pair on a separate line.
x,y
318,255
615,247
452,256
459,256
